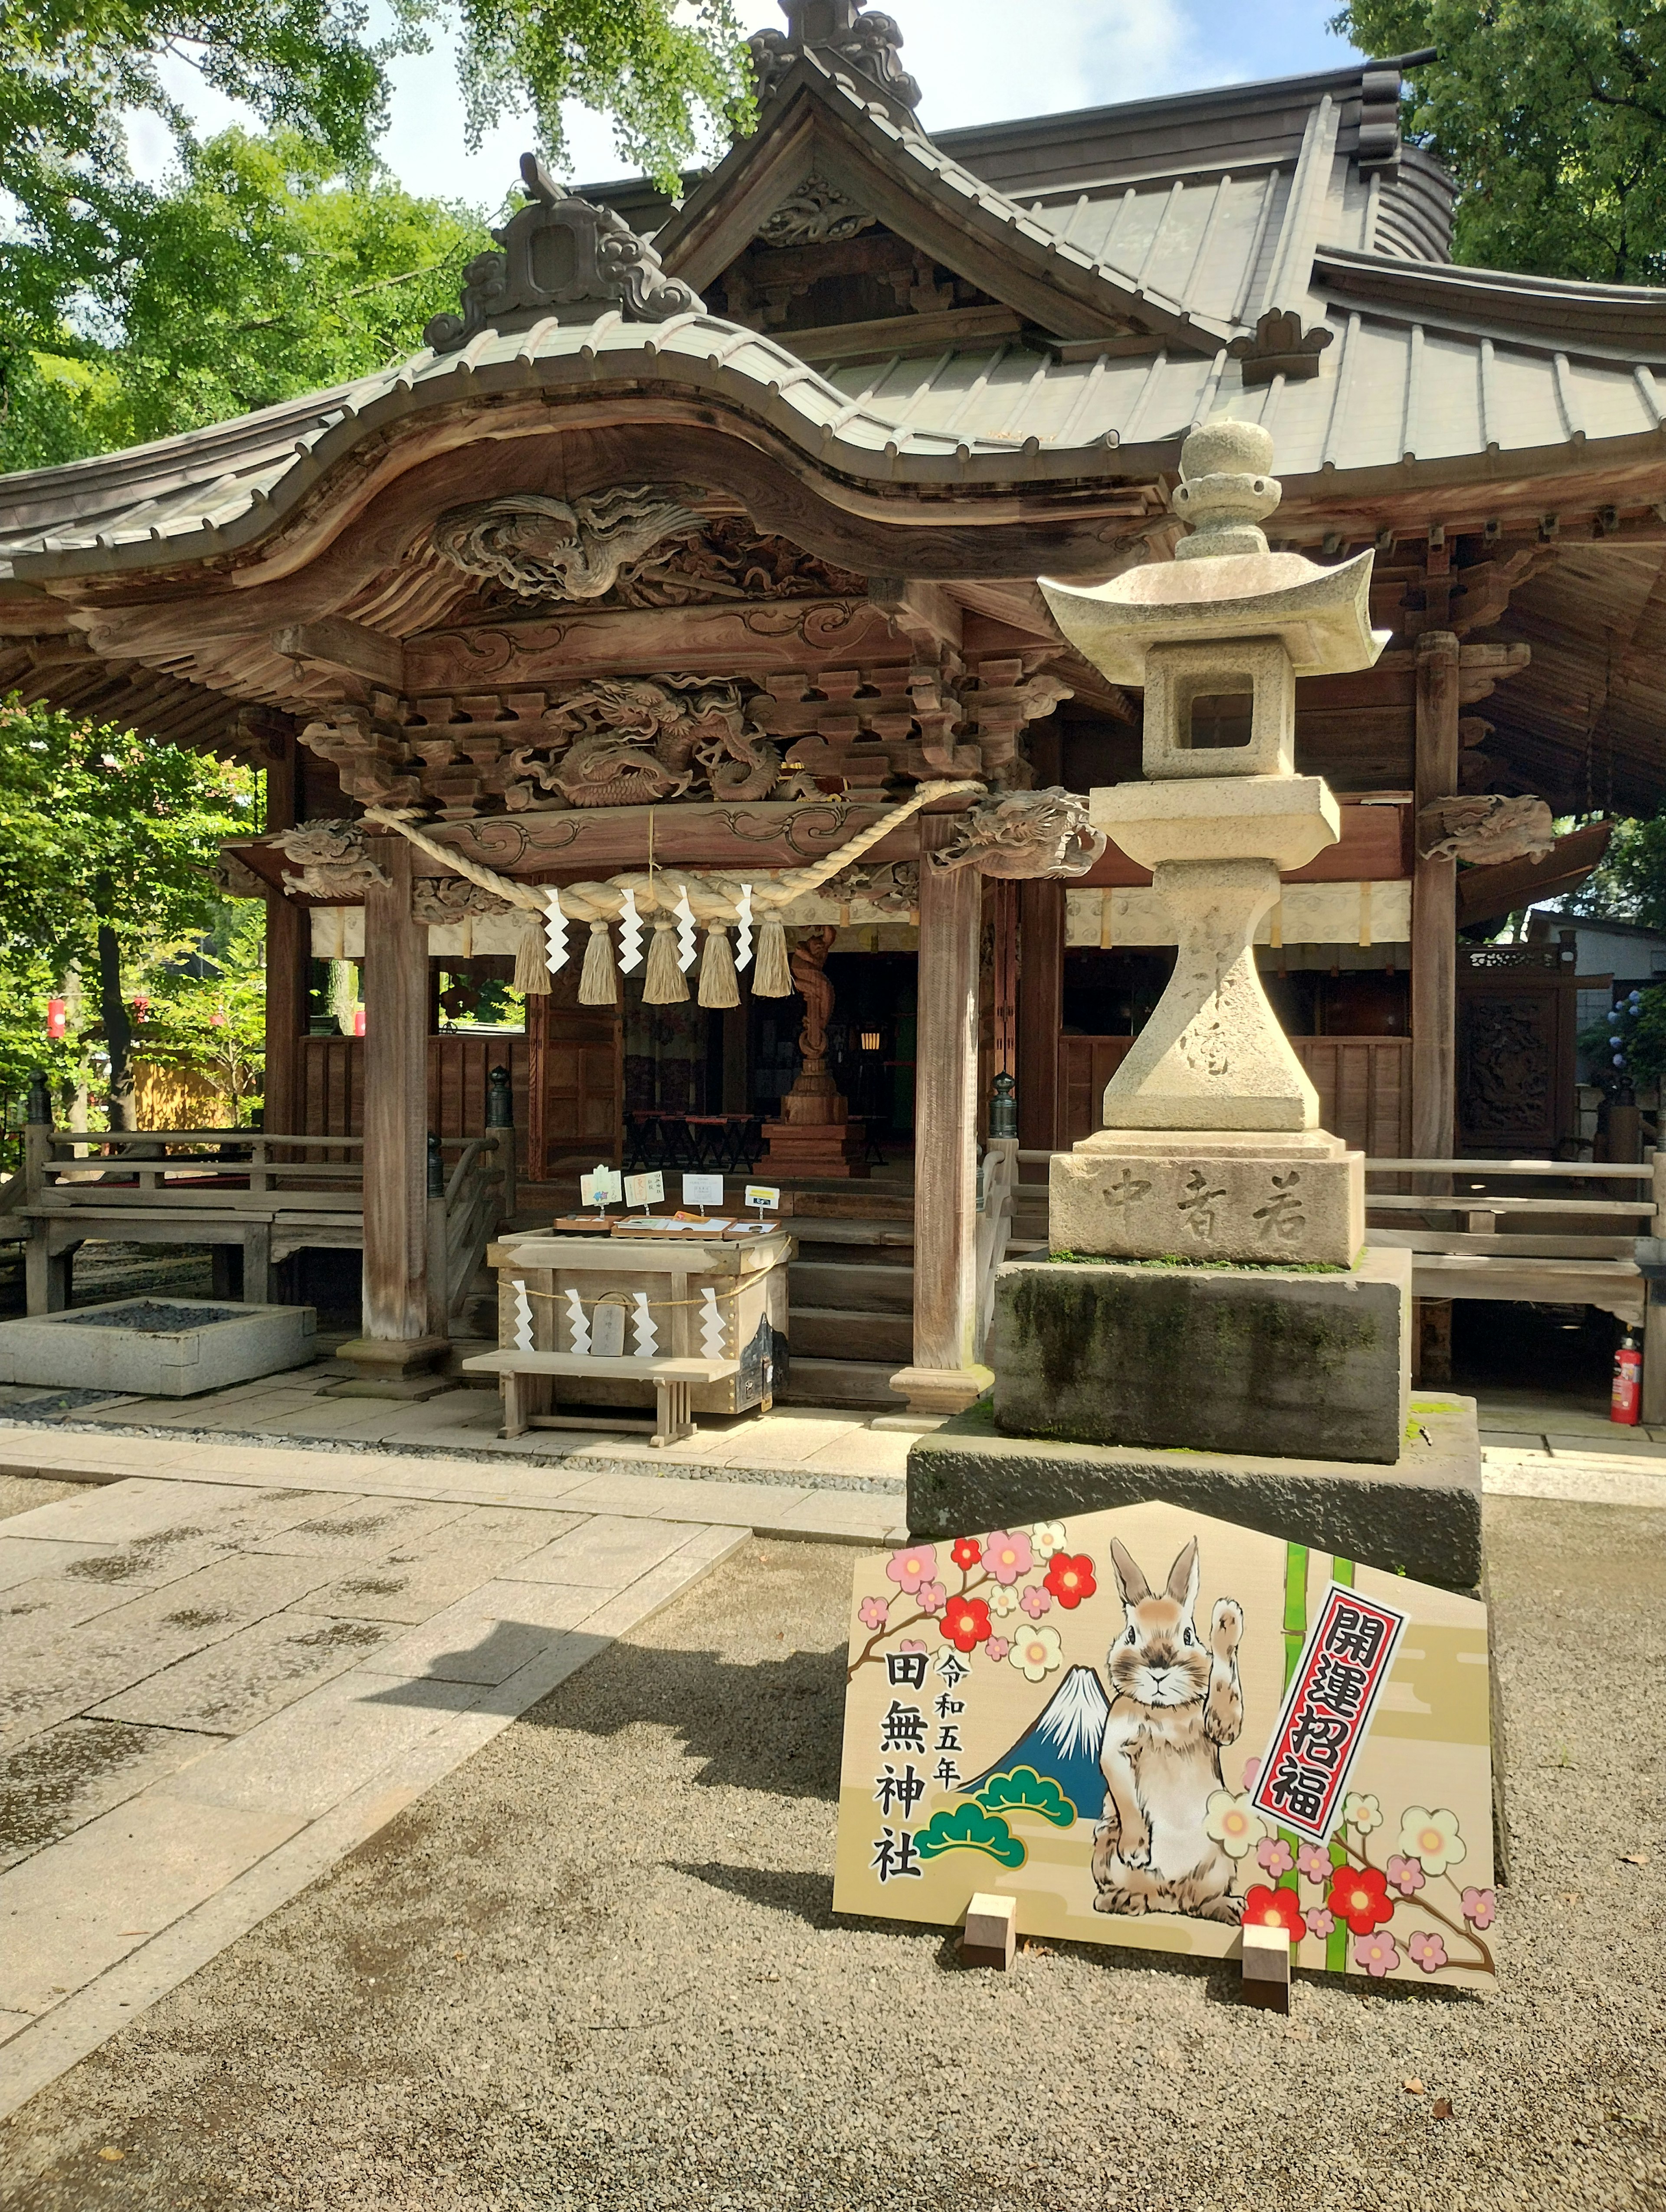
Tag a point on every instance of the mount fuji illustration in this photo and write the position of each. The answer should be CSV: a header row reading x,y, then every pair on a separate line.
x,y
1063,1741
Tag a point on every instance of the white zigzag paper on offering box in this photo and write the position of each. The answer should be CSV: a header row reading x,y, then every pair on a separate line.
x,y
1075,1714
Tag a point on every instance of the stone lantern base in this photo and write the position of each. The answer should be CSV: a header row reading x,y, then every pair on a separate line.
x,y
1300,1364
1296,1196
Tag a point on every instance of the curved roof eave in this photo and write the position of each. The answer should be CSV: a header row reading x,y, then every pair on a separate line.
x,y
1607,321
221,490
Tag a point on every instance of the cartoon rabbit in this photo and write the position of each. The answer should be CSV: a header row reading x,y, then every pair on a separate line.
x,y
1174,1704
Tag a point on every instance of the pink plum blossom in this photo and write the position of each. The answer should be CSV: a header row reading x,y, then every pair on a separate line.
x,y
1320,1920
1251,1773
912,1643
1479,1906
1405,1875
931,1597
997,1647
1006,1555
909,1568
1274,1853
1037,1601
1314,1862
873,1611
1429,1951
1377,1954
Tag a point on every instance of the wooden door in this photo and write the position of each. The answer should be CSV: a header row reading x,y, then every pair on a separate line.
x,y
1517,1031
577,1080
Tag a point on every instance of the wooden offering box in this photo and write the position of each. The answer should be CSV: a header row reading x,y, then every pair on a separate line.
x,y
682,1297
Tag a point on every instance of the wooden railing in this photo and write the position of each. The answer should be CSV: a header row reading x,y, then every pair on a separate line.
x,y
267,1192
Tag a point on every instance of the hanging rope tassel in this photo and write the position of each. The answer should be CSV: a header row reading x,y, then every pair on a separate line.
x,y
663,984
599,985
774,978
718,987
531,975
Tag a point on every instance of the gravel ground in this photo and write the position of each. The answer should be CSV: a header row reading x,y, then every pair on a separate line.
x,y
21,1493
597,1967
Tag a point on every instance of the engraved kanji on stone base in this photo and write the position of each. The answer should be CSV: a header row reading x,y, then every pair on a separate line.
x,y
1216,1195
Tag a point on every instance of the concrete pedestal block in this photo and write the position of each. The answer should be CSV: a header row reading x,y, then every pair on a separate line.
x,y
159,1347
1298,1364
1423,1513
1297,1196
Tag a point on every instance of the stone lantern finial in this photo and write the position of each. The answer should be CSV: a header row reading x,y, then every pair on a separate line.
x,y
1226,489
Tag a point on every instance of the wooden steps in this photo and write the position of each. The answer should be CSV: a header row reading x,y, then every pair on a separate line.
x,y
850,1322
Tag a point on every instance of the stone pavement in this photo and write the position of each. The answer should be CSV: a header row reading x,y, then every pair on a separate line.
x,y
230,1658
298,1407
225,1666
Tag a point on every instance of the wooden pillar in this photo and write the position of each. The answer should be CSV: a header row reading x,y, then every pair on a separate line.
x,y
1434,907
1040,1011
288,945
397,1341
944,1377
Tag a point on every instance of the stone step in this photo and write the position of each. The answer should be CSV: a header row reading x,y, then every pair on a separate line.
x,y
852,1285
835,1333
851,1383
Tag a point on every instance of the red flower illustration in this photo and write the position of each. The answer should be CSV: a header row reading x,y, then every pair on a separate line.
x,y
965,1622
1360,1896
1070,1578
967,1552
1274,1908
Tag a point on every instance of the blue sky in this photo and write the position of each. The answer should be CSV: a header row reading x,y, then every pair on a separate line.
x,y
976,60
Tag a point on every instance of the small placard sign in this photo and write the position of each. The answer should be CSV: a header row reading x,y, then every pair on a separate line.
x,y
607,1327
702,1190
602,1185
763,1194
645,1189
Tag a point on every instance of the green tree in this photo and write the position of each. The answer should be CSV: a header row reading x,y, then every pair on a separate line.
x,y
1552,116
266,272
673,73
107,841
206,1010
1630,883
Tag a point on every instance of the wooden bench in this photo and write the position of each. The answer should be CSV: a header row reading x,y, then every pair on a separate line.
x,y
672,1381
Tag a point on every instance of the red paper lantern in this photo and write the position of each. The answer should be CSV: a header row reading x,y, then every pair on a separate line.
x,y
58,1017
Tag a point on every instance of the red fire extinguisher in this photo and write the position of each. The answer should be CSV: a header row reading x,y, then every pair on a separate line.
x,y
1627,1382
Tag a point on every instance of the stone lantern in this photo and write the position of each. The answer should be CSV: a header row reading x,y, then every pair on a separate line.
x,y
1211,1148
1209,1289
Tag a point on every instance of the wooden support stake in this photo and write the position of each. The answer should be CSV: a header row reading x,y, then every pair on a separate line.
x,y
1267,1968
1434,907
944,1377
395,1310
288,947
1041,1013
990,1937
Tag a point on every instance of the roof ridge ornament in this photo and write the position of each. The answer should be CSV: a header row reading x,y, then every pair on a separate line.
x,y
565,257
844,36
1279,347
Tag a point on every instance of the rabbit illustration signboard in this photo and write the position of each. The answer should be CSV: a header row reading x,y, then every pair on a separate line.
x,y
1148,1727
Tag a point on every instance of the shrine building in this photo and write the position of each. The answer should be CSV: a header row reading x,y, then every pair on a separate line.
x,y
704,538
